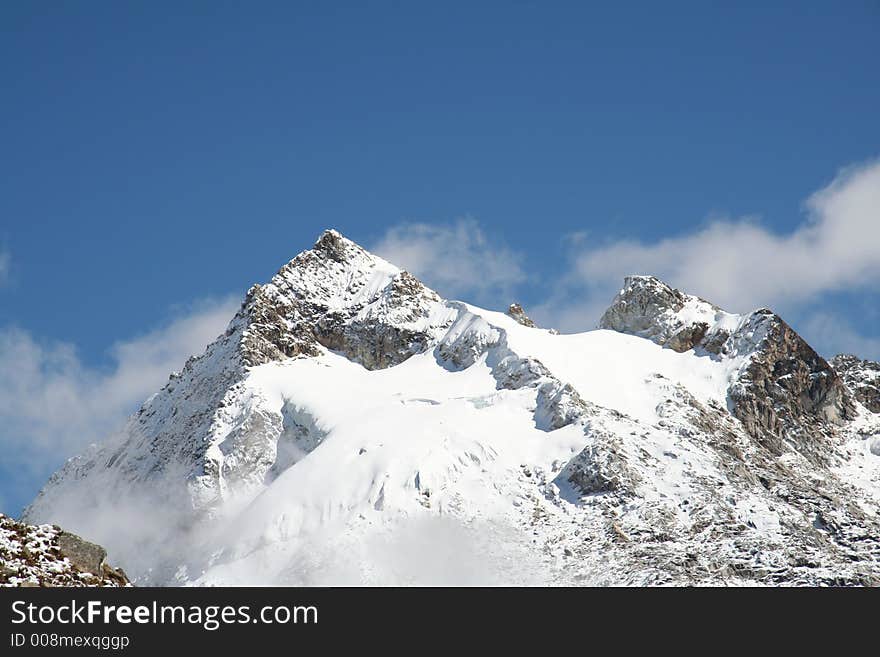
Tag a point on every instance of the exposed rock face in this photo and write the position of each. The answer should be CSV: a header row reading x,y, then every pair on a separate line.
x,y
516,311
269,334
43,555
787,391
557,404
341,297
387,333
85,556
862,377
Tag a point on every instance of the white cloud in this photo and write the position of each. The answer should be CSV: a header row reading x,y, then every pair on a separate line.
x,y
52,404
457,260
740,264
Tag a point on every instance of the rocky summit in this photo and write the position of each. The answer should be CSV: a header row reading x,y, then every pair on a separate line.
x,y
351,426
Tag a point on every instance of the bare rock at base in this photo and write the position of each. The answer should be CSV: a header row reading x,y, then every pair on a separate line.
x,y
45,555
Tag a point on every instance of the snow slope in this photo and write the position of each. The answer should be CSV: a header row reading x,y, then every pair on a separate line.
x,y
352,427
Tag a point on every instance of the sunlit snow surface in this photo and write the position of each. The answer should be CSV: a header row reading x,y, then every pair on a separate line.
x,y
425,464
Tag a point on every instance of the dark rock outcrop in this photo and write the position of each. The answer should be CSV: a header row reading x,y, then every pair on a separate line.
x,y
323,297
787,392
269,336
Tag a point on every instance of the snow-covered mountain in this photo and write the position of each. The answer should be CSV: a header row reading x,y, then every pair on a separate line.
x,y
353,427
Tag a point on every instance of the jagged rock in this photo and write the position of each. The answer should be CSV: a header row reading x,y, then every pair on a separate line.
x,y
374,336
334,245
341,297
513,372
787,391
649,308
516,311
861,377
268,334
644,307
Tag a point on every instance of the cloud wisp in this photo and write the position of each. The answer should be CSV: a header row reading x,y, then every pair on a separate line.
x,y
458,260
53,405
836,335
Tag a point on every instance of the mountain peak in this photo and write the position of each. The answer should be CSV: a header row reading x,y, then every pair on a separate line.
x,y
649,308
338,247
341,297
783,386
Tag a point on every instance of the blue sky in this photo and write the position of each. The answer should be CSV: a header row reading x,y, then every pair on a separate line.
x,y
159,159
